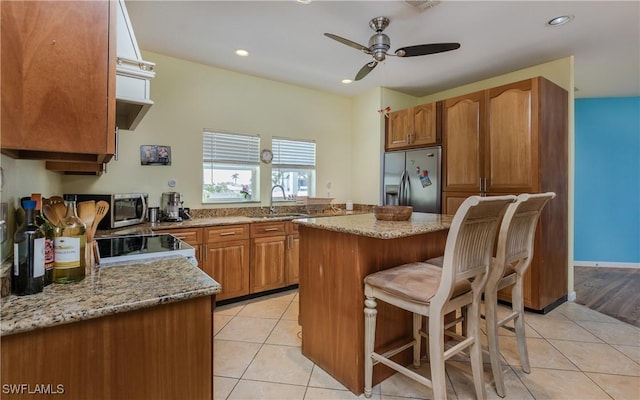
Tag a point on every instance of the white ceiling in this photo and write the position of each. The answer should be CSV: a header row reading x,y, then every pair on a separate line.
x,y
286,42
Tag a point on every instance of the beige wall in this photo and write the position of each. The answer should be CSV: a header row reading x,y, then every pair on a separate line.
x,y
190,97
20,178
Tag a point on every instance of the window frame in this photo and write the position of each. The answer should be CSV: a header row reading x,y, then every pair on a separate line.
x,y
230,156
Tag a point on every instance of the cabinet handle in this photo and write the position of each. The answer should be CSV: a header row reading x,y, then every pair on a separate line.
x,y
289,242
271,229
227,233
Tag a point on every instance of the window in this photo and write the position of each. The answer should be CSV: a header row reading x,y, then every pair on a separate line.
x,y
294,167
230,167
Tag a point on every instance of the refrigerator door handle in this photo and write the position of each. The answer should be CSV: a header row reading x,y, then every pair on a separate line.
x,y
407,188
401,199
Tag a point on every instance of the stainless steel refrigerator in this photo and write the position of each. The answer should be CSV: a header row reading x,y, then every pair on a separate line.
x,y
412,178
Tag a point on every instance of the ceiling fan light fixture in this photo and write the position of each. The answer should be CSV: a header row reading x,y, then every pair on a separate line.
x,y
242,53
347,81
560,20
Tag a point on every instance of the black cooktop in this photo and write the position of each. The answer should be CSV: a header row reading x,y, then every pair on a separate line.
x,y
135,247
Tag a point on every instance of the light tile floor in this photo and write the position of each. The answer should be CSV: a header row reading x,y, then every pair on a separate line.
x,y
574,352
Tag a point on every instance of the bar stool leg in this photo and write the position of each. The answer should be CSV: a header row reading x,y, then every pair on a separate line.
x,y
370,313
491,318
417,326
436,356
518,307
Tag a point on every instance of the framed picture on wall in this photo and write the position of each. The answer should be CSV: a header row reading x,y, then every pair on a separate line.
x,y
155,155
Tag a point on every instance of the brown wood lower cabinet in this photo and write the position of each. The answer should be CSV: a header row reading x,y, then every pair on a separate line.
x,y
246,258
292,262
161,352
226,259
268,251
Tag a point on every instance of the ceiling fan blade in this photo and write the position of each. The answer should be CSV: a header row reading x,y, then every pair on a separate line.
x,y
424,49
347,42
368,67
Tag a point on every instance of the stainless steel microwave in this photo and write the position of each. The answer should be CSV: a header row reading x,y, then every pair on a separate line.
x,y
125,209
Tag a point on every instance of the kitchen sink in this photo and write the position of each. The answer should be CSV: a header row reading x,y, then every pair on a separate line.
x,y
283,216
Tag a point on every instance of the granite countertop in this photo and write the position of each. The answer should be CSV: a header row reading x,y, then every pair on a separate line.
x,y
199,222
368,225
109,290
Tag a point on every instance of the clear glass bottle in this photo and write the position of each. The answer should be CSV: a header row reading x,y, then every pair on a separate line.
x,y
70,242
28,255
48,229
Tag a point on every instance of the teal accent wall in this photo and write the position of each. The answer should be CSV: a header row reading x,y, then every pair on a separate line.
x,y
607,180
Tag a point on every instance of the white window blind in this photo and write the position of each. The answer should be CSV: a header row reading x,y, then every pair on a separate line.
x,y
293,153
231,148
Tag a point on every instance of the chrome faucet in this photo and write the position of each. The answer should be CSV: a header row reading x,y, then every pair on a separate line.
x,y
272,209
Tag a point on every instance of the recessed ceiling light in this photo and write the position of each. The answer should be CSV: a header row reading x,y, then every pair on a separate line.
x,y
242,53
346,81
304,1
561,20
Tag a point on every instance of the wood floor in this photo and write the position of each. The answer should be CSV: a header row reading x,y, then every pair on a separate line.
x,y
611,291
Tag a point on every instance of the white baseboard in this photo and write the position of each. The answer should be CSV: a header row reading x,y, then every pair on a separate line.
x,y
605,264
571,296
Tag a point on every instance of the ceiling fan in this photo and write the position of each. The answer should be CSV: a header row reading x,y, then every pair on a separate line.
x,y
379,44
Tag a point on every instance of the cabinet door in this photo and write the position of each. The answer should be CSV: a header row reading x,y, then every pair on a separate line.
x,y
267,263
424,125
58,79
399,125
228,263
292,267
451,201
511,152
462,143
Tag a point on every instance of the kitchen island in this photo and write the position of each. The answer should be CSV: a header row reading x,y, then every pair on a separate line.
x,y
336,254
139,330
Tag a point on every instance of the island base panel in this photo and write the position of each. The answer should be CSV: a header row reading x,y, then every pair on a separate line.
x,y
333,266
158,352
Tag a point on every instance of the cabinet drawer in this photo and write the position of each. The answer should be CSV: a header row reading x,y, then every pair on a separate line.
x,y
229,232
268,229
193,236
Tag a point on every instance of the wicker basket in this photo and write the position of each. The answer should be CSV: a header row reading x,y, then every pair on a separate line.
x,y
392,213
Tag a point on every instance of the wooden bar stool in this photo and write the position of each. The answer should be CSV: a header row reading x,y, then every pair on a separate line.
x,y
513,256
428,290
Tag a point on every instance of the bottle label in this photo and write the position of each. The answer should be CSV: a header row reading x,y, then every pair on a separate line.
x,y
48,254
16,259
67,252
38,257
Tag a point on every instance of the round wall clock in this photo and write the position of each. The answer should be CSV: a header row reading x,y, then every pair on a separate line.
x,y
266,156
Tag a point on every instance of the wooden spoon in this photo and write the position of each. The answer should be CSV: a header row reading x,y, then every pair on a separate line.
x,y
87,213
60,209
102,207
51,214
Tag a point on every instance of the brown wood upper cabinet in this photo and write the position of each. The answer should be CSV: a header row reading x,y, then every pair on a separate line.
x,y
58,80
412,127
490,140
462,139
